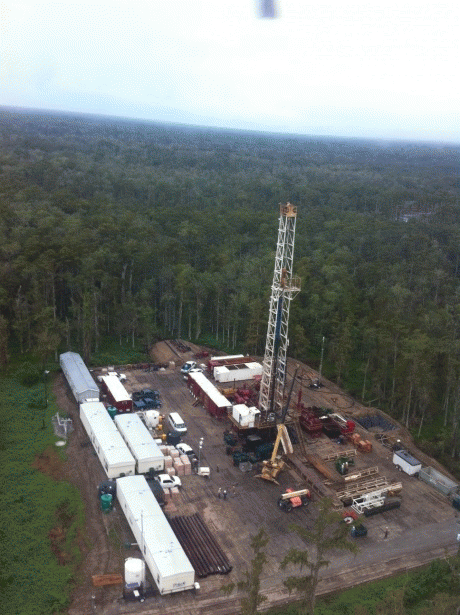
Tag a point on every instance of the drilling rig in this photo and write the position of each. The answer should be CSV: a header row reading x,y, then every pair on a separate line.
x,y
284,288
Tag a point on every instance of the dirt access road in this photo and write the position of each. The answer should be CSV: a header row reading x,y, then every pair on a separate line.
x,y
418,532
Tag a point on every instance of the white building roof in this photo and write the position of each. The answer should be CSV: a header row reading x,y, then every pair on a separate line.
x,y
235,367
116,388
153,529
107,435
214,394
140,440
77,373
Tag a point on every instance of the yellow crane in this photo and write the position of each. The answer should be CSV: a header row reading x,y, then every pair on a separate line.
x,y
272,467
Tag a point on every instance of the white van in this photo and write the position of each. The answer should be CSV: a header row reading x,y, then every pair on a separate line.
x,y
177,424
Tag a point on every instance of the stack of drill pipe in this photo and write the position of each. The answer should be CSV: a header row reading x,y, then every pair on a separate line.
x,y
168,462
195,554
187,465
223,564
200,546
179,467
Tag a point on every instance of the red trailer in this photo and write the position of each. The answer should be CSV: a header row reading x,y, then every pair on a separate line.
x,y
116,393
212,399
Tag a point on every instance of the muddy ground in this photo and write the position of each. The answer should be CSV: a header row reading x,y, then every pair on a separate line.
x,y
420,530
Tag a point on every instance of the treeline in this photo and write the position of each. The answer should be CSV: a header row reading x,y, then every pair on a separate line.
x,y
113,228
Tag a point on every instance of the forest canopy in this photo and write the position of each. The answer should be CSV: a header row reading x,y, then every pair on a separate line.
x,y
135,230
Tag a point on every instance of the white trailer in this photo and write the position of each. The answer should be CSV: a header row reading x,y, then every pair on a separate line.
x,y
145,451
170,568
110,447
405,462
78,376
237,372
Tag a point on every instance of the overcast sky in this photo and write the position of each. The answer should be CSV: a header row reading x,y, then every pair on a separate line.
x,y
358,68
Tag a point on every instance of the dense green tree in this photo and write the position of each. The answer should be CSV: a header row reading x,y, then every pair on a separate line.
x,y
328,533
250,585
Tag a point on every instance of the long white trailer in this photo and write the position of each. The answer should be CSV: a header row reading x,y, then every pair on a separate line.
x,y
110,447
139,440
237,372
78,376
170,568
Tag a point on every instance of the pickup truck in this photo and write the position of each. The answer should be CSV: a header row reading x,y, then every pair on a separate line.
x,y
185,449
187,366
168,481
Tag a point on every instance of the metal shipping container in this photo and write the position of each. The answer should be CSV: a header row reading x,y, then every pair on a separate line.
x,y
77,374
108,444
145,451
170,568
437,480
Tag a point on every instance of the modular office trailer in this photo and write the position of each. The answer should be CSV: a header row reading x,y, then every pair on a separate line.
x,y
211,398
170,567
139,440
117,394
77,374
237,372
110,447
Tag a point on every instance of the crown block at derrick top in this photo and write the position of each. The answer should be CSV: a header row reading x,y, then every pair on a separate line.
x,y
288,210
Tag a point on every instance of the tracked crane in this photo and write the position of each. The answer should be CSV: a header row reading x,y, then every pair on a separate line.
x,y
284,288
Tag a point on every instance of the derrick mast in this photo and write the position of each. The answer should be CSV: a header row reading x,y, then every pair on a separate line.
x,y
284,288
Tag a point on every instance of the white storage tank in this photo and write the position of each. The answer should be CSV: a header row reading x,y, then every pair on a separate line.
x,y
152,418
134,571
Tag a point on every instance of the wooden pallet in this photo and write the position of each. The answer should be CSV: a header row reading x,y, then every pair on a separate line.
x,y
100,580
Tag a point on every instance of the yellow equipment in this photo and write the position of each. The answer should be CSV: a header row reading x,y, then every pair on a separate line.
x,y
273,466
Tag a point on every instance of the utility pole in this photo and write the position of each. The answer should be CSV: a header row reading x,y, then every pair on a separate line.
x,y
322,354
45,378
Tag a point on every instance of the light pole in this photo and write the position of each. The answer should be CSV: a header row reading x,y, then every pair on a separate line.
x,y
200,446
321,361
45,378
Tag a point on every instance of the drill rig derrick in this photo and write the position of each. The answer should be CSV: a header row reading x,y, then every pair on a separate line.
x,y
284,288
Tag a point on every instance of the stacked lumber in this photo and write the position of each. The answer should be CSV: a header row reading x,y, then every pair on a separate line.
x,y
100,580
